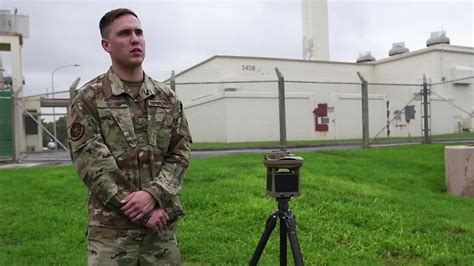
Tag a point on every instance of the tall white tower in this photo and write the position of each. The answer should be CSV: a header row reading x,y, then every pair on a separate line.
x,y
315,30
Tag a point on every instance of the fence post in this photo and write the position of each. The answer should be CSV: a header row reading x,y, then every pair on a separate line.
x,y
281,106
426,114
172,82
72,88
365,112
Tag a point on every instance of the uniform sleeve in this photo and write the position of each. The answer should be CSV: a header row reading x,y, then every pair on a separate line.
x,y
167,184
91,158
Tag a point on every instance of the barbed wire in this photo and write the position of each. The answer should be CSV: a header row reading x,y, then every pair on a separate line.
x,y
315,82
224,82
293,81
323,82
352,83
46,94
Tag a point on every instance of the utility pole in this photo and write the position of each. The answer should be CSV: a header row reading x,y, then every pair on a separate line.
x,y
54,108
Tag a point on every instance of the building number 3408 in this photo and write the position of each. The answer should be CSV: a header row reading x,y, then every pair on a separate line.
x,y
248,67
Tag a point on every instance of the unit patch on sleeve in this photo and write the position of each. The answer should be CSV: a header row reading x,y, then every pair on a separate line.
x,y
76,131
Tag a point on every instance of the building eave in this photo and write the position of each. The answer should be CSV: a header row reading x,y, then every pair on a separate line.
x,y
440,47
434,48
263,58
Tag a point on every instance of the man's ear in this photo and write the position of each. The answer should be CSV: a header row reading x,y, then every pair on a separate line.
x,y
106,45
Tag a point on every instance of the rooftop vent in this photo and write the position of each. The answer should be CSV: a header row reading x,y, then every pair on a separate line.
x,y
437,37
398,48
365,57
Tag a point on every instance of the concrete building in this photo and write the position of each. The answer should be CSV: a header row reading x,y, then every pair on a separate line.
x,y
13,28
331,109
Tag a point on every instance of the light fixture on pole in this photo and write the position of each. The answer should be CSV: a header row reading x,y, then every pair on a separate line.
x,y
54,109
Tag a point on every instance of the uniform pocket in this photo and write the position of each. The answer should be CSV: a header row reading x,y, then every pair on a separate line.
x,y
117,129
161,127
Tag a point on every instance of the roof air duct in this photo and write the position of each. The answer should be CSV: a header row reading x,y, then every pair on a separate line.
x,y
398,48
437,37
365,57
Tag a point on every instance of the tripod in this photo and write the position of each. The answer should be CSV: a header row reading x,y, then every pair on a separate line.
x,y
287,228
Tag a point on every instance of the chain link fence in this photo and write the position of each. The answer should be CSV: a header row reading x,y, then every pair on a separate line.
x,y
328,112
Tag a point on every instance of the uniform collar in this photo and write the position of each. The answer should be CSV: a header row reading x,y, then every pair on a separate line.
x,y
148,86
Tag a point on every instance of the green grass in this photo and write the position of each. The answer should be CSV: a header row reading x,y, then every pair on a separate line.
x,y
376,206
307,143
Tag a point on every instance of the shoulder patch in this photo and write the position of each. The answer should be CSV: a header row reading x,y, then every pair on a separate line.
x,y
76,131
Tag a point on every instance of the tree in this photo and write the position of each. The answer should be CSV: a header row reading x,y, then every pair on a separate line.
x,y
61,131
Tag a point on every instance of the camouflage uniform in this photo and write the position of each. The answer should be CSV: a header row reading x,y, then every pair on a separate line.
x,y
119,145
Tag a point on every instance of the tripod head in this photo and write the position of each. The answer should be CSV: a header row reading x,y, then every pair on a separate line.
x,y
283,174
283,204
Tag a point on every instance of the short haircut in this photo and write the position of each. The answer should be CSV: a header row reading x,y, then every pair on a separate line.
x,y
110,16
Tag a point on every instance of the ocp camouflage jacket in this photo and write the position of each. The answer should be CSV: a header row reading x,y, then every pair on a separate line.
x,y
119,145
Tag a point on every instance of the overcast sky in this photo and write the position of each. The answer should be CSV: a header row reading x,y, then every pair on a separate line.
x,y
180,34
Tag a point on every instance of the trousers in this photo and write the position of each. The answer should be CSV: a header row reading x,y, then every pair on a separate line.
x,y
107,246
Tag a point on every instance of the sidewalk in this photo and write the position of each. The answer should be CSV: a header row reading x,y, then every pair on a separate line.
x,y
63,157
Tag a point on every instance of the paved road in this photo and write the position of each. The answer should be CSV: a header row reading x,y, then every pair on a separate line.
x,y
62,157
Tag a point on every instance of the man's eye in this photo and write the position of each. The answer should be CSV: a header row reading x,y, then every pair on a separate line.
x,y
139,32
124,33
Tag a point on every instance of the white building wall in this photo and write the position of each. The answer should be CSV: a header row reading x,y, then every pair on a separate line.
x,y
403,69
207,120
443,117
229,68
456,65
255,117
346,121
250,117
437,64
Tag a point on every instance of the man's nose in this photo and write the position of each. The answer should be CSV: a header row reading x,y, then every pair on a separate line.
x,y
134,38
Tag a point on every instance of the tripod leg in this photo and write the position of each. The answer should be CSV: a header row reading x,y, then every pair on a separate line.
x,y
283,232
269,226
295,246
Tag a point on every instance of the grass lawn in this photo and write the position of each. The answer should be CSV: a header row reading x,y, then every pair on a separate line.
x,y
376,206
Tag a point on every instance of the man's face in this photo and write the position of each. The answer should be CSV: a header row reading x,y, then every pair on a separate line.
x,y
125,42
